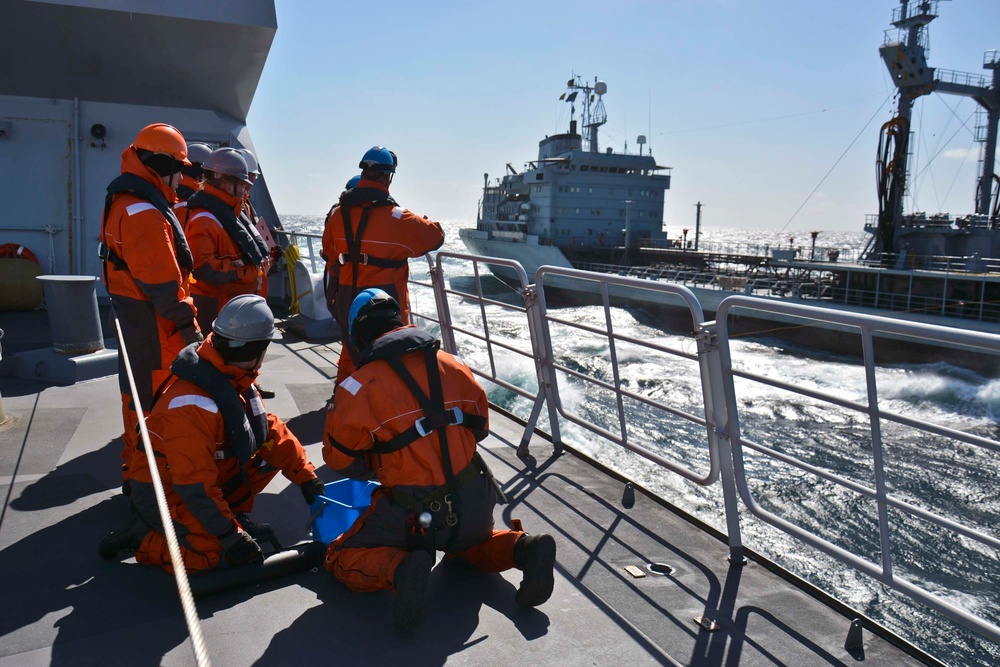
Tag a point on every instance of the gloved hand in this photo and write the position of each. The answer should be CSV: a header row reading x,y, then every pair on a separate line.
x,y
241,549
191,335
312,488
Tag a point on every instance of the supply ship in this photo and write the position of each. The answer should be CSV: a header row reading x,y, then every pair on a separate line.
x,y
582,205
639,580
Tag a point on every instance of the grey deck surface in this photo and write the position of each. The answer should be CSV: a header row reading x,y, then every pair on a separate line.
x,y
62,605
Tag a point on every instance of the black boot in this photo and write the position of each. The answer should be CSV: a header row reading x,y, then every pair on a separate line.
x,y
409,608
265,393
535,555
124,541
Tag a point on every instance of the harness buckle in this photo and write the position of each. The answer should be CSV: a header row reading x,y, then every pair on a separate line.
x,y
103,251
452,417
345,258
423,427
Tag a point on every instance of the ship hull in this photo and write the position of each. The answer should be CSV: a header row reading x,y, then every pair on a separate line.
x,y
529,254
669,313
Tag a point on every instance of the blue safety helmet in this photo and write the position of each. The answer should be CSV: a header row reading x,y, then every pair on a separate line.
x,y
379,158
370,304
353,183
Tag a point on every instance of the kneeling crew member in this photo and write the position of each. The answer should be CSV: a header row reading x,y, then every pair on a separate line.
x,y
411,416
216,447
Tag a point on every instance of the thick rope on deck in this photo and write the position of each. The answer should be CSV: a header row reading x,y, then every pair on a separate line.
x,y
180,573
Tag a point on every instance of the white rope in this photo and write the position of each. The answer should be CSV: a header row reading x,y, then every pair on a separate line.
x,y
180,572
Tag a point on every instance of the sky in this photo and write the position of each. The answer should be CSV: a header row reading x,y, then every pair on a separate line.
x,y
768,112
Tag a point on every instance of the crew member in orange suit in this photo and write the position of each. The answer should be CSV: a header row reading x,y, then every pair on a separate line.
x,y
411,416
216,448
230,257
367,241
191,176
264,228
146,268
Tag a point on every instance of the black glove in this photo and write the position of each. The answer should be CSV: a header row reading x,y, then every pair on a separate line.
x,y
312,488
191,335
240,549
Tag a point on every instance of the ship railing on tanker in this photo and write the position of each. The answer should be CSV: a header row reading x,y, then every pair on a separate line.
x,y
496,352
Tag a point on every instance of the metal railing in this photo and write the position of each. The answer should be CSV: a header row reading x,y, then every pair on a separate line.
x,y
560,372
313,244
867,327
726,446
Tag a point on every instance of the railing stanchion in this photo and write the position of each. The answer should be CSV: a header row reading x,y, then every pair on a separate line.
x,y
719,441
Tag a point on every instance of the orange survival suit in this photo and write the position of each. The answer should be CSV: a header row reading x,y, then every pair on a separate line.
x,y
212,462
146,267
230,257
367,241
187,186
411,415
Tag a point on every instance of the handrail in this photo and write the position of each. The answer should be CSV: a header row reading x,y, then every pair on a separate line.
x,y
727,447
866,326
549,278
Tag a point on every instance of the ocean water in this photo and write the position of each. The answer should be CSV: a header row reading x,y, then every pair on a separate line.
x,y
958,481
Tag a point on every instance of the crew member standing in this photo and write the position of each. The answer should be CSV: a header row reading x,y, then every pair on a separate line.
x,y
216,449
411,416
146,268
267,233
191,174
367,241
230,257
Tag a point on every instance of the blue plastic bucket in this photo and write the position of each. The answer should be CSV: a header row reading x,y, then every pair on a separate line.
x,y
341,505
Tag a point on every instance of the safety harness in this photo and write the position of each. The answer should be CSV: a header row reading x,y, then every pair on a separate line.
x,y
252,247
143,189
367,199
390,348
246,428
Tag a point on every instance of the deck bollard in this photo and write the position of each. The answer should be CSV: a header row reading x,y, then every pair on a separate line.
x,y
73,316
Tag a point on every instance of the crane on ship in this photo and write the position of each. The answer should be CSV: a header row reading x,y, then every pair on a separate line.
x,y
904,52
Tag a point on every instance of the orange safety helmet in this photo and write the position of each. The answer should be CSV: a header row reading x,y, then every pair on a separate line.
x,y
162,138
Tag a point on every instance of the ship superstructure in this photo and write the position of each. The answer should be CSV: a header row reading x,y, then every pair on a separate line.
x,y
574,203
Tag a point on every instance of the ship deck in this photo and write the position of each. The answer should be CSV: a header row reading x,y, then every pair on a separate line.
x,y
63,605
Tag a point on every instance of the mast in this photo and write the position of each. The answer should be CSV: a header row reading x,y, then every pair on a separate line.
x,y
594,114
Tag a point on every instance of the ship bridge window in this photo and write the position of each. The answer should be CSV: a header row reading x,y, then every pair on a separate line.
x,y
584,167
604,170
539,177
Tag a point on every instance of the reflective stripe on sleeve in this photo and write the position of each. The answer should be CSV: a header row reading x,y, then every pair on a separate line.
x,y
203,402
139,207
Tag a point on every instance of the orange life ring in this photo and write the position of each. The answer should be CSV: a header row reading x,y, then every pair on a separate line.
x,y
17,251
